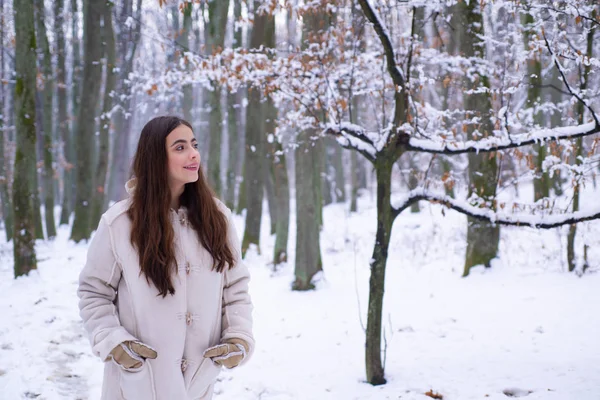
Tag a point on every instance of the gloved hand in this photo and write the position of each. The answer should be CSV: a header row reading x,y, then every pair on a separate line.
x,y
229,354
131,354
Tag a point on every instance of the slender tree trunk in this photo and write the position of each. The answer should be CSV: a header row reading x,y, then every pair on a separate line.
x,y
327,170
233,116
270,187
309,160
270,118
4,159
556,97
92,78
282,199
215,39
579,152
308,250
108,36
385,220
482,237
340,182
254,175
184,41
62,118
25,158
129,38
35,185
47,97
541,183
253,168
354,162
76,92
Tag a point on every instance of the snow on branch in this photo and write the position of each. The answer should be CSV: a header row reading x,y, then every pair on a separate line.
x,y
384,37
501,143
540,221
352,136
565,82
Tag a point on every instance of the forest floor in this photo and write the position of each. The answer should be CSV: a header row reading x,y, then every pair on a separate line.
x,y
524,328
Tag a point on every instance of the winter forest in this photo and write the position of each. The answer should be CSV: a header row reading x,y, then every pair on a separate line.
x,y
414,182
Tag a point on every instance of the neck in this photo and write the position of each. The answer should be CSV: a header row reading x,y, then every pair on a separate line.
x,y
176,193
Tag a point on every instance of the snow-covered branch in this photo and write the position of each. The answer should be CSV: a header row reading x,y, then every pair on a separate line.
x,y
352,136
501,143
384,37
541,221
566,83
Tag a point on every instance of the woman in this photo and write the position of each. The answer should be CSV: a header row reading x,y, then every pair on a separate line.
x,y
164,293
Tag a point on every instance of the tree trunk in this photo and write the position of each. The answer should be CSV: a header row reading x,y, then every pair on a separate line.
x,y
184,41
385,220
353,181
327,170
270,187
4,159
47,97
92,78
309,161
254,175
340,182
308,250
108,36
253,168
34,181
282,200
62,117
70,178
25,157
541,182
233,116
129,38
482,237
579,152
215,39
233,161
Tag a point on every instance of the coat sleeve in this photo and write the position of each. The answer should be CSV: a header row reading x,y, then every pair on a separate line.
x,y
237,305
98,283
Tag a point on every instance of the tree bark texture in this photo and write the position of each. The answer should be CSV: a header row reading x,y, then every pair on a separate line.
x,y
84,140
25,157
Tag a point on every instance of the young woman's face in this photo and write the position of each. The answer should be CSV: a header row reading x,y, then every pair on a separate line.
x,y
183,158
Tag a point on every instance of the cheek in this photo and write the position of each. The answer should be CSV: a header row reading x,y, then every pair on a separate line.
x,y
173,162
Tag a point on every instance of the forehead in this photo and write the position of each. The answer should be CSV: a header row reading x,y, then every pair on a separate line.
x,y
182,132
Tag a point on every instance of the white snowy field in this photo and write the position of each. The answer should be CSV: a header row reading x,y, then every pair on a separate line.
x,y
525,327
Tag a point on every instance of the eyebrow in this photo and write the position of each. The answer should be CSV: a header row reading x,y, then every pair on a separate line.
x,y
183,141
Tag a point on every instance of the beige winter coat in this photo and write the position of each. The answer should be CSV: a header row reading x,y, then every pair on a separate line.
x,y
117,304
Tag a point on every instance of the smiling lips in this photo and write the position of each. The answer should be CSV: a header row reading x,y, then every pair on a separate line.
x,y
192,167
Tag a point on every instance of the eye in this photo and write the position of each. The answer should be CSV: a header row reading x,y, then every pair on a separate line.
x,y
178,148
195,145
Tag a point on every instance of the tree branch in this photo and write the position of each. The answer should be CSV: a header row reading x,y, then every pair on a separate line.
x,y
353,137
564,78
384,38
500,218
496,143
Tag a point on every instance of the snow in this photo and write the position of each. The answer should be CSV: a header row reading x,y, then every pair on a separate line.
x,y
533,220
535,136
525,327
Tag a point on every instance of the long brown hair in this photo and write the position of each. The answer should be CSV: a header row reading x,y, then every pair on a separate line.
x,y
151,229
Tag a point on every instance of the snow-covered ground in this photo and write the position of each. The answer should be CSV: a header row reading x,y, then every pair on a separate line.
x,y
525,327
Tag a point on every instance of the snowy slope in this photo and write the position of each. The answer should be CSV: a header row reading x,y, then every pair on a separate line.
x,y
525,326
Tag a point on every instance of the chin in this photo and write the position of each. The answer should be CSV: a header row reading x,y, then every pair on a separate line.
x,y
192,180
